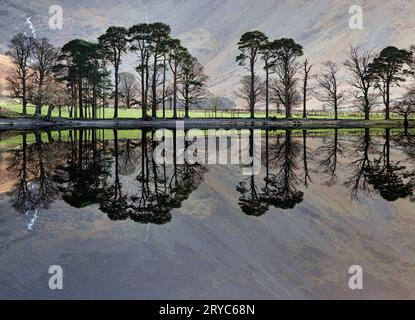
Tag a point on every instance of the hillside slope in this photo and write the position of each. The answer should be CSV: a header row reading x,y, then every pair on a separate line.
x,y
211,28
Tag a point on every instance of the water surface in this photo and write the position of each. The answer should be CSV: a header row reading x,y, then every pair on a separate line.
x,y
123,226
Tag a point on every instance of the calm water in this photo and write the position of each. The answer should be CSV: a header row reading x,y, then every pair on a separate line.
x,y
123,226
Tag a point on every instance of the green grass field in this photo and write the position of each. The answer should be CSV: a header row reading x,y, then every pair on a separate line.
x,y
16,138
122,113
135,113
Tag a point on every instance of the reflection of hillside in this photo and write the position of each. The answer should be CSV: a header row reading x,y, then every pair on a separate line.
x,y
5,65
7,177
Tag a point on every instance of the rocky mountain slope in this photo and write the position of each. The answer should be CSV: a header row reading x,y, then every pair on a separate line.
x,y
211,28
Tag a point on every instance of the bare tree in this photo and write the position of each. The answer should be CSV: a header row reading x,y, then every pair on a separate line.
x,y
192,83
57,95
359,181
373,101
306,74
362,80
330,152
331,94
129,88
405,107
286,67
245,91
20,49
176,55
164,88
45,56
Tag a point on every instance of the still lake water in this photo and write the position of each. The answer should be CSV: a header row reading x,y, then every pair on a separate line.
x,y
123,226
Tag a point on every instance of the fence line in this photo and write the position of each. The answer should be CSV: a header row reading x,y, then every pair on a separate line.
x,y
238,113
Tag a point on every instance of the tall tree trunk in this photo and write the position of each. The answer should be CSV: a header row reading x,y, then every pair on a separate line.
x,y
143,93
307,69
287,102
287,91
72,101
305,96
94,101
24,95
367,105
80,98
164,89
266,92
186,105
251,98
154,89
175,91
50,109
146,84
38,110
116,90
128,101
335,110
387,111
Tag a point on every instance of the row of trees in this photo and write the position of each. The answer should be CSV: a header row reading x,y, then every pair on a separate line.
x,y
31,78
78,75
80,72
372,76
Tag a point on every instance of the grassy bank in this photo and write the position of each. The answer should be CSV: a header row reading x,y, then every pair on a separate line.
x,y
16,109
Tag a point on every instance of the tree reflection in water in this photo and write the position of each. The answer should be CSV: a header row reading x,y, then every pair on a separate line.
x,y
82,178
406,140
112,200
251,201
121,177
162,189
359,181
35,188
281,179
330,152
375,171
390,178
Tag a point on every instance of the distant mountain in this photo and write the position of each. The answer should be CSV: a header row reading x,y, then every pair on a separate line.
x,y
211,28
